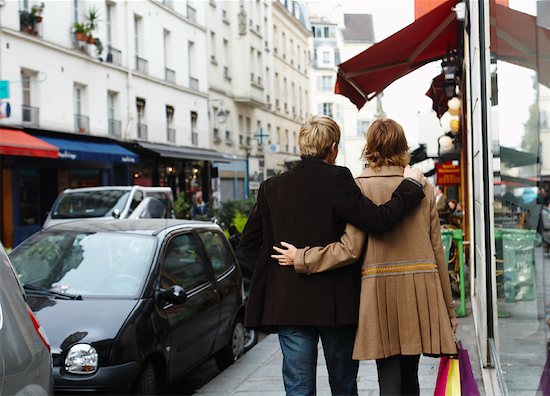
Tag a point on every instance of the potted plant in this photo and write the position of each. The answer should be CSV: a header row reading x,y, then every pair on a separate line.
x,y
98,46
92,18
80,31
36,12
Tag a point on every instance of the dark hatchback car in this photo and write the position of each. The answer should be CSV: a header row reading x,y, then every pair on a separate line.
x,y
131,305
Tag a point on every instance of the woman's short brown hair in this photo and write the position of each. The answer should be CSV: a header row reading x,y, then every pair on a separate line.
x,y
386,145
317,136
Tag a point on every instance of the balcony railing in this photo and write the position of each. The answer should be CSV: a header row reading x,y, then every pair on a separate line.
x,y
29,115
114,127
171,135
194,138
170,75
81,123
194,83
142,65
114,56
142,131
191,14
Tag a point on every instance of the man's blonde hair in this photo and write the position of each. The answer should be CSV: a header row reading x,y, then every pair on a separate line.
x,y
317,136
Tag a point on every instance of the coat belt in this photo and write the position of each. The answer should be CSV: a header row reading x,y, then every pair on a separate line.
x,y
398,269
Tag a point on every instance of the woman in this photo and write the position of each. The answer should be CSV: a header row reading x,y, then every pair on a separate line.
x,y
406,307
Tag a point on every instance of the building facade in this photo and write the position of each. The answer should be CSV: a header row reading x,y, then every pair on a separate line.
x,y
113,74
336,40
258,73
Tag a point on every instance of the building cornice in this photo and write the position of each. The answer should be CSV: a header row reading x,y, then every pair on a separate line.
x,y
178,15
279,7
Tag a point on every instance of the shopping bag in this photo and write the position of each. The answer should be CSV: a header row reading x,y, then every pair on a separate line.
x,y
544,383
468,386
448,378
455,376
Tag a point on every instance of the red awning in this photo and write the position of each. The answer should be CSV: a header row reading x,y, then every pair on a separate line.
x,y
427,39
519,40
19,143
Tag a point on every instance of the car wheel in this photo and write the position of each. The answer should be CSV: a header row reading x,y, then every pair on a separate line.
x,y
234,349
250,339
146,383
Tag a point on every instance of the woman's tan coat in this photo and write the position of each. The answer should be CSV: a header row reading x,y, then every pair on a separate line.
x,y
406,302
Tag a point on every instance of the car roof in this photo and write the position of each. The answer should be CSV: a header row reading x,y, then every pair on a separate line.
x,y
123,188
144,226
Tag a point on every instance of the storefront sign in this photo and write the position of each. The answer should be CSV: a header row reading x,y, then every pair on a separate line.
x,y
447,174
4,89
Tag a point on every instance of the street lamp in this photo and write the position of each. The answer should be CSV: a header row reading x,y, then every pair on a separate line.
x,y
221,114
449,65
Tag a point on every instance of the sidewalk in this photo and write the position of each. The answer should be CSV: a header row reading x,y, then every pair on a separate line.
x,y
259,371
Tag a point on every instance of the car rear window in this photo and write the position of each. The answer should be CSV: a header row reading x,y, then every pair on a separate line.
x,y
81,204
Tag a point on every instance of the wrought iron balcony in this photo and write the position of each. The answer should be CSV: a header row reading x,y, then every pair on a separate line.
x,y
81,123
142,131
114,127
171,135
142,65
29,115
114,56
170,75
194,83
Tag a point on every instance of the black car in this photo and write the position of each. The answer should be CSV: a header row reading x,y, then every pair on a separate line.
x,y
131,305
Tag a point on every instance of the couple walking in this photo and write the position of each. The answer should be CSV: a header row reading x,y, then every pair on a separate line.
x,y
386,297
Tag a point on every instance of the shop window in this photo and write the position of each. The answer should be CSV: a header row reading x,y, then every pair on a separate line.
x,y
28,192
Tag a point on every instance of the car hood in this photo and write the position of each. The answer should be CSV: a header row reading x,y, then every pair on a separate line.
x,y
68,322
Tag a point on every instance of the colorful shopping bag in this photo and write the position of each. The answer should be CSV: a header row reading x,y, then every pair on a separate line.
x,y
455,376
468,386
448,378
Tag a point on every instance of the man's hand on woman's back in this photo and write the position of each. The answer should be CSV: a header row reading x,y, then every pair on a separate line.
x,y
414,173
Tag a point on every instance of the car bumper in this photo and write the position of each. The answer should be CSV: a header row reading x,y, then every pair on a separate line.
x,y
106,380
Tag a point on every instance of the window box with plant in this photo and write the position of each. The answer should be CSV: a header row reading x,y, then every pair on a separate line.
x,y
29,20
83,31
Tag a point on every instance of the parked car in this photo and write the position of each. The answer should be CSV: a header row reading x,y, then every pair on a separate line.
x,y
131,305
112,202
25,361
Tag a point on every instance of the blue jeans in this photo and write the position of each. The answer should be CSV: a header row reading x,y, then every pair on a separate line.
x,y
299,347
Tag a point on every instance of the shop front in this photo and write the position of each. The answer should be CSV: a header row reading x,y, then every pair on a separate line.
x,y
37,167
509,103
200,175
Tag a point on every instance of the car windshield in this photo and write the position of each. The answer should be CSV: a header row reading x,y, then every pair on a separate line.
x,y
97,203
85,264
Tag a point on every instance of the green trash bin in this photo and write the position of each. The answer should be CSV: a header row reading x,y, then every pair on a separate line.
x,y
518,264
447,238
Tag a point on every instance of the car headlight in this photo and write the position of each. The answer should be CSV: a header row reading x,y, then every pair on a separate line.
x,y
81,359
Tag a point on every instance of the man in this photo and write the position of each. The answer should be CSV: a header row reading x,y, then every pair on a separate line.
x,y
310,205
440,200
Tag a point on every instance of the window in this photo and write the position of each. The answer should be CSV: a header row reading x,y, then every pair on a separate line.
x,y
169,116
137,33
26,85
78,99
194,134
326,109
287,142
140,105
111,97
216,250
325,83
108,22
362,127
326,57
76,10
182,264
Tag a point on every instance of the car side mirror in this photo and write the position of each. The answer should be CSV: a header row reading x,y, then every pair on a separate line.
x,y
115,213
174,294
